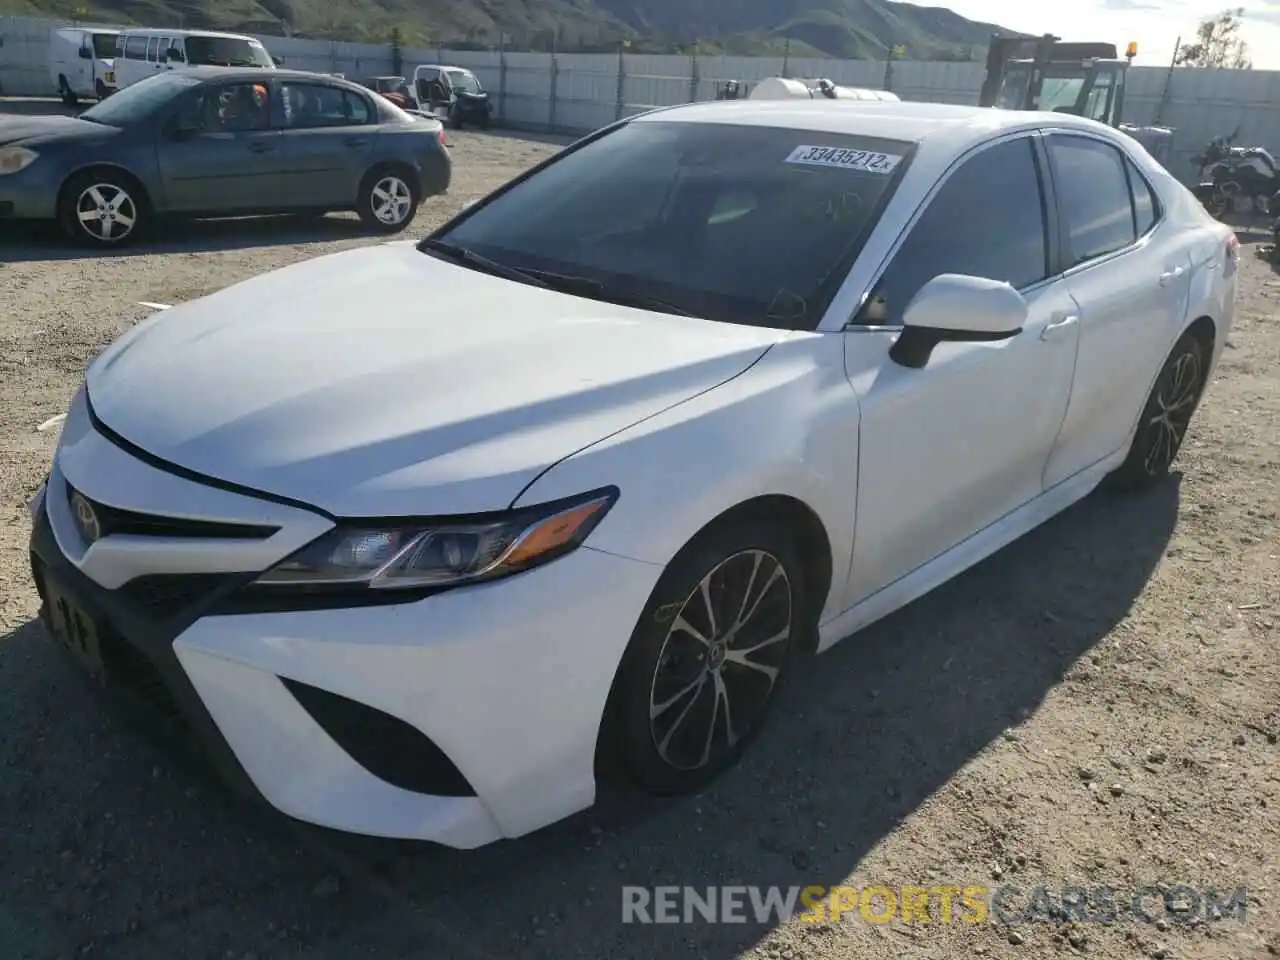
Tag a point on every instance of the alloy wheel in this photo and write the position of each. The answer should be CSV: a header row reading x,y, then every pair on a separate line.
x,y
1175,402
720,660
391,200
106,212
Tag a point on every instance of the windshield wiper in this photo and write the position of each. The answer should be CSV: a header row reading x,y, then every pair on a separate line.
x,y
599,290
472,259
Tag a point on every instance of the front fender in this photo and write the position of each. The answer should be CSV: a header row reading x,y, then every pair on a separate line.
x,y
788,426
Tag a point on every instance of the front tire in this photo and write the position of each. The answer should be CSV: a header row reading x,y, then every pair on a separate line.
x,y
1167,414
102,209
69,99
388,200
707,656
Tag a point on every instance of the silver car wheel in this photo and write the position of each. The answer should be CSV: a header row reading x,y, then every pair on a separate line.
x,y
391,200
106,212
720,660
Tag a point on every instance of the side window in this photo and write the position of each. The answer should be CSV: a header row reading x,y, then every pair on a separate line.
x,y
136,48
1146,206
987,220
153,49
120,45
176,47
1094,195
1095,105
231,108
310,105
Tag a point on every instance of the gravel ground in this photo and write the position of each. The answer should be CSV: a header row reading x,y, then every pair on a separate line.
x,y
1096,705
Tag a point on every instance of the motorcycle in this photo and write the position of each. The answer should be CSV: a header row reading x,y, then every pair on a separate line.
x,y
1231,174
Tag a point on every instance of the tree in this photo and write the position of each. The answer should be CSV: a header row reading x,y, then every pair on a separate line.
x,y
1218,44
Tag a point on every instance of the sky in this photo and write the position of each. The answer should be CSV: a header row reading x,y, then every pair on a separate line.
x,y
1154,24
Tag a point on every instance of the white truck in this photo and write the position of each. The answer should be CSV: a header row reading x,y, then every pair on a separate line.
x,y
82,62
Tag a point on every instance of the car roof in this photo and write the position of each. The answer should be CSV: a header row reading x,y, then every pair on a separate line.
x,y
175,32
946,127
262,75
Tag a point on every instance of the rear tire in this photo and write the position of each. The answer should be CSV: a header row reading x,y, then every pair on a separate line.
x,y
1166,414
103,208
389,198
706,658
69,99
102,91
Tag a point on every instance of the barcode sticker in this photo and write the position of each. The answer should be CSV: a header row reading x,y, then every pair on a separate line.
x,y
866,161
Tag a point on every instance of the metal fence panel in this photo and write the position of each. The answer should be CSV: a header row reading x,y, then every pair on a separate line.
x,y
575,93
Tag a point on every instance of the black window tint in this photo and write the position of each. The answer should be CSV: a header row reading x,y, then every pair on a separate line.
x,y
1094,196
987,220
136,48
1146,208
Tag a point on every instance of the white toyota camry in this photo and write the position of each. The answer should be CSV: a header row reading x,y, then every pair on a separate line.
x,y
413,537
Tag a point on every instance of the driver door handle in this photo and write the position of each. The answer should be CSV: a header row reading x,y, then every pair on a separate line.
x,y
1059,326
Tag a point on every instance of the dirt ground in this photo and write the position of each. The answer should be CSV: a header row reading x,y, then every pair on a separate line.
x,y
1098,705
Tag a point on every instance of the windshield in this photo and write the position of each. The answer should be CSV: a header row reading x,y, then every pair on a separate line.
x,y
139,100
104,45
464,81
226,52
1013,88
746,224
1056,92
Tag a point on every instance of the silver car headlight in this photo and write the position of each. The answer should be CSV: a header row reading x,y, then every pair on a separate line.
x,y
440,553
16,159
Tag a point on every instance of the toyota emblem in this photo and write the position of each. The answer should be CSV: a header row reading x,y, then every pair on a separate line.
x,y
86,518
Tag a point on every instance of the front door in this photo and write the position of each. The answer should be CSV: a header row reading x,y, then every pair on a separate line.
x,y
327,139
1128,286
219,154
950,448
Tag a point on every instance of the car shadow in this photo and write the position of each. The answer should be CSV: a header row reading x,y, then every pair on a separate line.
x,y
859,740
41,242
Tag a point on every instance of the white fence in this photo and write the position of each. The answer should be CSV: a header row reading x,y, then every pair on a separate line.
x,y
576,93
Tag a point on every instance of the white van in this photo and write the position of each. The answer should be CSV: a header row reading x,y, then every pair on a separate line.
x,y
142,53
82,62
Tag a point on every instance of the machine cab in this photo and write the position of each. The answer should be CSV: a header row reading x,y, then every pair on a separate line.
x,y
1085,79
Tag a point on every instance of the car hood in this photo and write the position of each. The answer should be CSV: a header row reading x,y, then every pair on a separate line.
x,y
385,382
28,131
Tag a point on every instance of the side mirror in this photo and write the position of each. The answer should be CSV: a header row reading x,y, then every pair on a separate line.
x,y
278,61
956,308
86,53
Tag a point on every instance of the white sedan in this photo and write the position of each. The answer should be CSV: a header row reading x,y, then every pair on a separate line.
x,y
413,537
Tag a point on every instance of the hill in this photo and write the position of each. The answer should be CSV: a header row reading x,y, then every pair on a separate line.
x,y
865,29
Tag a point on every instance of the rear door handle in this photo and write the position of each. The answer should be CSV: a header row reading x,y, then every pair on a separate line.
x,y
1059,326
355,141
1169,276
261,146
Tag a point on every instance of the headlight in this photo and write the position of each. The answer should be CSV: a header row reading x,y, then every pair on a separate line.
x,y
442,553
14,159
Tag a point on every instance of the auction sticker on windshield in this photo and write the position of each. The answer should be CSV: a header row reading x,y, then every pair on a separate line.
x,y
869,161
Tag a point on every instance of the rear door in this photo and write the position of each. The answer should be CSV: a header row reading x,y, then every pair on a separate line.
x,y
1132,281
326,143
219,153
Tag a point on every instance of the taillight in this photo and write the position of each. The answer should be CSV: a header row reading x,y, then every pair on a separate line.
x,y
1233,253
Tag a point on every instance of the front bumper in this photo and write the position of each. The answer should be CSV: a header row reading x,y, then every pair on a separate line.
x,y
30,194
462,718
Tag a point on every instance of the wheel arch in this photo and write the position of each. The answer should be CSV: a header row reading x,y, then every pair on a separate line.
x,y
812,542
388,164
115,169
